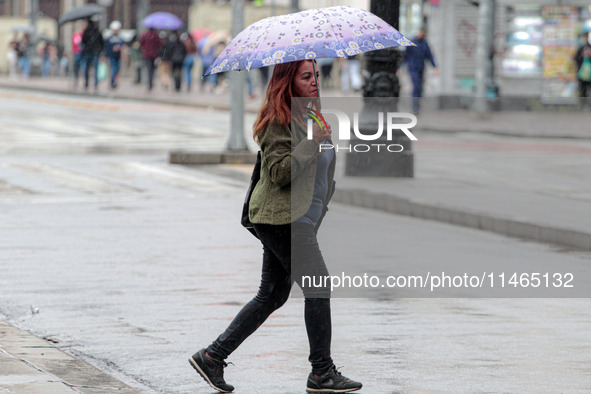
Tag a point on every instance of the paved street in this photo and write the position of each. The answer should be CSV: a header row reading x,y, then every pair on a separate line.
x,y
132,264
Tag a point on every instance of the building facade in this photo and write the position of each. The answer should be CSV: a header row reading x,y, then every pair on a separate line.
x,y
533,45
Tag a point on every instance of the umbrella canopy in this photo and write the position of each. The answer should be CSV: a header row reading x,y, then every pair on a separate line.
x,y
163,21
23,29
83,12
324,32
200,34
49,40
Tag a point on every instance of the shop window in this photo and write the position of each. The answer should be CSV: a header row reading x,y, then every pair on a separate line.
x,y
524,52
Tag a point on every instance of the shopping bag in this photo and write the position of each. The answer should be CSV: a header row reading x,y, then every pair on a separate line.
x,y
101,71
584,73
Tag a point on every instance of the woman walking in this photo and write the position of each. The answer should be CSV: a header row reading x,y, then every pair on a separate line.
x,y
286,209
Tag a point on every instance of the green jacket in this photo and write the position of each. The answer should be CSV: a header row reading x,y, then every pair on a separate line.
x,y
288,170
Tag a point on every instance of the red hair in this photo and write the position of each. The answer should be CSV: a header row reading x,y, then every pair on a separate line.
x,y
277,104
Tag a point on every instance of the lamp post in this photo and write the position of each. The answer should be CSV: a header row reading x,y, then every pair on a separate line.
x,y
380,94
105,4
236,141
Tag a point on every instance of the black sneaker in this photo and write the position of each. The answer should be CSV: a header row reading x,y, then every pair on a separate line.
x,y
331,382
211,370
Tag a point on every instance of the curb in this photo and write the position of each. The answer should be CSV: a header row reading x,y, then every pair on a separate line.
x,y
505,226
196,158
33,365
501,133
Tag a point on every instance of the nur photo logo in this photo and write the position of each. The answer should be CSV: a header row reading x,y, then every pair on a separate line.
x,y
391,121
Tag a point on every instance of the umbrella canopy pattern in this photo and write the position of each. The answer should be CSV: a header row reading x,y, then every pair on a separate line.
x,y
324,32
83,12
163,21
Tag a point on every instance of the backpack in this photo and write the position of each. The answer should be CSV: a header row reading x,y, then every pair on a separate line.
x,y
178,53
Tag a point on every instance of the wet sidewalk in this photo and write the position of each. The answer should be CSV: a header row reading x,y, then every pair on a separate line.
x,y
29,364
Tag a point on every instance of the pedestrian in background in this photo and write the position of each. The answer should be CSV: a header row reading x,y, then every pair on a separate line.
x,y
92,46
583,62
286,208
150,45
46,53
113,49
206,51
25,53
326,64
12,59
135,55
351,74
415,58
178,52
77,52
189,61
164,61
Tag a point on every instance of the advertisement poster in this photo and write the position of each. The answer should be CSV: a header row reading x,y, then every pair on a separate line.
x,y
559,42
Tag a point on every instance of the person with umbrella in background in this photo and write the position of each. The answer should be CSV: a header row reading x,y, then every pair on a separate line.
x,y
47,53
191,48
25,51
150,44
12,58
92,46
77,51
113,49
286,210
175,52
207,55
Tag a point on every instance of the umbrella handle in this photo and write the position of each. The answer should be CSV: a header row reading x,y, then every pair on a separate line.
x,y
317,85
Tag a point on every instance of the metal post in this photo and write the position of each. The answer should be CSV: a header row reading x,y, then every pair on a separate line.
x,y
34,19
381,92
143,9
236,141
483,62
294,6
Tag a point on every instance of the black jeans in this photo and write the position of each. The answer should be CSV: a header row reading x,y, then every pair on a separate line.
x,y
584,89
276,281
151,68
177,69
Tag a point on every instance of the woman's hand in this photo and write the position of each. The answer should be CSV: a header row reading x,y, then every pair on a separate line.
x,y
320,134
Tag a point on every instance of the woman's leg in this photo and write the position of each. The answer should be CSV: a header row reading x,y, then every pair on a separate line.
x,y
307,261
273,292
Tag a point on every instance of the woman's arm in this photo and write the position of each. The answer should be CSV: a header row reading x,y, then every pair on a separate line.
x,y
281,163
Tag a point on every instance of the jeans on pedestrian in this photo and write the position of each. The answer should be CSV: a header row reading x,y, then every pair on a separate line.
x,y
276,280
187,68
24,64
76,66
417,92
151,67
45,68
211,78
584,89
87,60
115,63
177,72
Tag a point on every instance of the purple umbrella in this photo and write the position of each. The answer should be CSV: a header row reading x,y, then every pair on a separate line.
x,y
324,32
163,21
